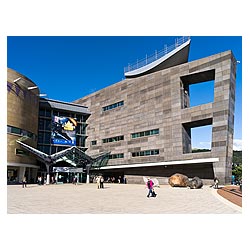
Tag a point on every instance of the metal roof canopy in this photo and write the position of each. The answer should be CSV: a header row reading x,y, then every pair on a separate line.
x,y
65,106
72,155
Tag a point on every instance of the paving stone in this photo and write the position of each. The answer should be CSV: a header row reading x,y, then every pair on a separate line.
x,y
114,199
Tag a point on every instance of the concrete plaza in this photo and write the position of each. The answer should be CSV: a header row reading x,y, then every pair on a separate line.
x,y
115,199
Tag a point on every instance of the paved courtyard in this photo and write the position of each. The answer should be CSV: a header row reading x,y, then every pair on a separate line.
x,y
115,199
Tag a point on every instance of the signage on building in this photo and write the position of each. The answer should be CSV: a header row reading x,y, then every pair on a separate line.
x,y
63,131
67,170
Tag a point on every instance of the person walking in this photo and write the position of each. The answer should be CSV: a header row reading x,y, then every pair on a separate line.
x,y
216,183
24,182
124,179
74,180
101,182
39,180
98,181
150,186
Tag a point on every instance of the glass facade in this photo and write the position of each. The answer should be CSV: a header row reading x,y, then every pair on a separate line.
x,y
46,115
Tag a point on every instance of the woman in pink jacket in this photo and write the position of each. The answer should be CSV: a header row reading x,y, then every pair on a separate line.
x,y
150,186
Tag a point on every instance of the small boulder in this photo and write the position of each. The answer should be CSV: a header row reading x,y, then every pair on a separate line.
x,y
195,183
178,180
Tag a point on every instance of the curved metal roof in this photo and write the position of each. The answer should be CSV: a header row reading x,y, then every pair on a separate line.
x,y
177,56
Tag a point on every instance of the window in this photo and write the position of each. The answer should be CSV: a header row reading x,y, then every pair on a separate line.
x,y
201,138
48,113
80,141
197,135
19,131
197,88
42,112
40,138
146,153
81,128
16,130
41,124
112,106
47,137
93,143
21,152
145,133
113,139
47,124
46,149
116,156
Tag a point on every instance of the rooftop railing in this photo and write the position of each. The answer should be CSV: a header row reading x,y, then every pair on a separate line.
x,y
158,54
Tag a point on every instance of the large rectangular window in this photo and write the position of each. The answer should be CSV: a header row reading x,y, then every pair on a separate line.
x,y
197,88
197,136
112,106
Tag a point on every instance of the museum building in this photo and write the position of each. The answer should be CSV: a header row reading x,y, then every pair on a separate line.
x,y
144,121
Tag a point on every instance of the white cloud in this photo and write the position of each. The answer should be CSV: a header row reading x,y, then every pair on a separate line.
x,y
205,144
237,144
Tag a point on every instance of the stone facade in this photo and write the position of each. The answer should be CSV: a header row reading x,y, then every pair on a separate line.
x,y
160,101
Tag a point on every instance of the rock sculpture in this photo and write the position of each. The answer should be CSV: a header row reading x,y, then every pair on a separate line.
x,y
178,180
195,183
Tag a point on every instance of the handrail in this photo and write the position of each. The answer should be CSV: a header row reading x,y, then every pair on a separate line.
x,y
156,55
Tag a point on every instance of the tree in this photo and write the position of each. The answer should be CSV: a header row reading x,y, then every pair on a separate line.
x,y
237,172
237,165
237,157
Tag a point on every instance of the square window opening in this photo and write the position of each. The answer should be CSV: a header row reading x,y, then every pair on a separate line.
x,y
201,139
197,89
197,136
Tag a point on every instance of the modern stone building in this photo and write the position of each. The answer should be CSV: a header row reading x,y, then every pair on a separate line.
x,y
145,121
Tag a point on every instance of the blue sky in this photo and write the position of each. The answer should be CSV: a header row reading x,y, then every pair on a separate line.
x,y
67,68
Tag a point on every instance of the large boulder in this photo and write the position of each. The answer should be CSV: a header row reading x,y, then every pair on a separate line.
x,y
196,182
178,180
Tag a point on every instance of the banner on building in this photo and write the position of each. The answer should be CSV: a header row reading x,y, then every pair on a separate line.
x,y
67,170
63,131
